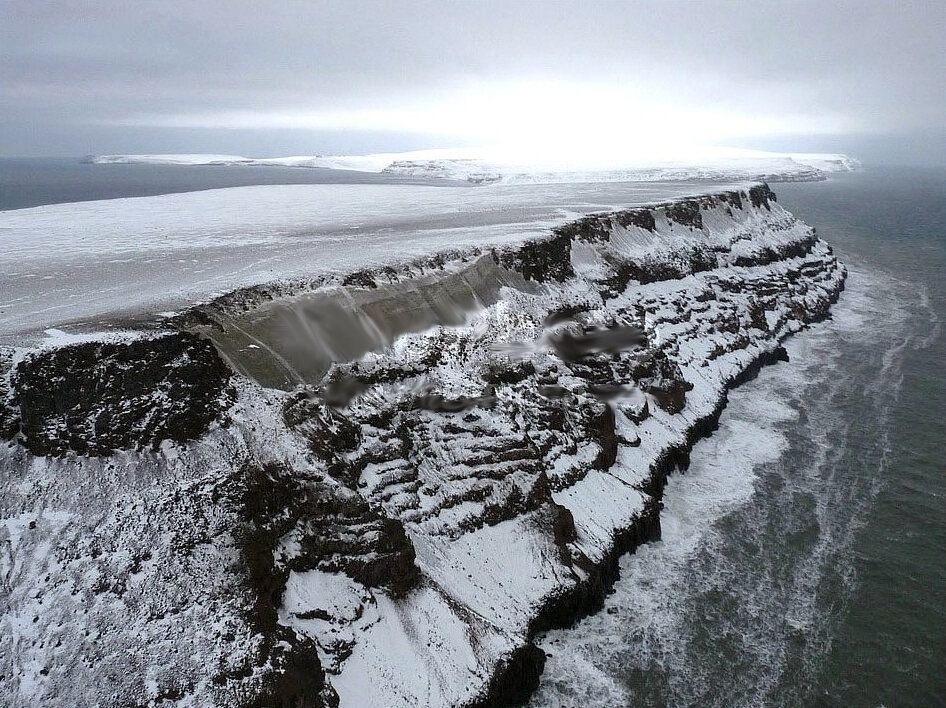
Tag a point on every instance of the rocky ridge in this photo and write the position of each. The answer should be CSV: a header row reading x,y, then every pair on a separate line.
x,y
396,531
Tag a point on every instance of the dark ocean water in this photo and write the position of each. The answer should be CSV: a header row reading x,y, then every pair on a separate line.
x,y
889,644
31,182
803,559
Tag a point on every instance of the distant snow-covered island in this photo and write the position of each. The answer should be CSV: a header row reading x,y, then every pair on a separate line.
x,y
487,167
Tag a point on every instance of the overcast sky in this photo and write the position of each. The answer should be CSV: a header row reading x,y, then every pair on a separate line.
x,y
301,77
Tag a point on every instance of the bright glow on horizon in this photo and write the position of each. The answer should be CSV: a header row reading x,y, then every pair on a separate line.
x,y
540,123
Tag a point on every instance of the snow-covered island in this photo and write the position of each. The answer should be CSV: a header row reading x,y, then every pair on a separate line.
x,y
483,167
369,484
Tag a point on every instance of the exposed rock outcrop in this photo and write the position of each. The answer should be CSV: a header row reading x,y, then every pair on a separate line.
x,y
396,529
99,397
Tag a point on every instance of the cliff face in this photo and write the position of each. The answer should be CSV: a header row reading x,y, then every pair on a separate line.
x,y
96,398
460,450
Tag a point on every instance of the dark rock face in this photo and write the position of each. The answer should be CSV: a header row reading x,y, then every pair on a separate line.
x,y
637,411
760,195
766,255
544,261
339,533
332,527
733,198
600,425
588,228
329,433
361,278
501,372
263,497
643,218
96,398
664,381
653,269
515,679
686,212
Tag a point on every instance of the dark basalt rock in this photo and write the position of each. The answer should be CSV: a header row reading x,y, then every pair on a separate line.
x,y
98,397
361,278
340,533
543,261
515,679
337,530
769,255
600,427
760,195
654,269
266,497
643,218
334,528
665,382
563,526
757,318
590,228
686,212
330,433
508,372
636,412
733,198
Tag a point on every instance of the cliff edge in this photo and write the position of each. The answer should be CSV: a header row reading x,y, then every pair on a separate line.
x,y
376,492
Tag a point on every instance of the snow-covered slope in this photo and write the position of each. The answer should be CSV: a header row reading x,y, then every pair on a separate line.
x,y
769,167
168,159
495,430
84,262
484,167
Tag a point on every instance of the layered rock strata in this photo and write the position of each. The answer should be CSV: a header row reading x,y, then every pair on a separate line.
x,y
222,514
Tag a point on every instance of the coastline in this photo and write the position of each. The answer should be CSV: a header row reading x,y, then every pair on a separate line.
x,y
545,491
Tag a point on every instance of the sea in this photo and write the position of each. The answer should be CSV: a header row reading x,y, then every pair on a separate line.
x,y
803,552
29,182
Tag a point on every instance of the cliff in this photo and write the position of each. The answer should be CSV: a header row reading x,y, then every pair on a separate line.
x,y
375,492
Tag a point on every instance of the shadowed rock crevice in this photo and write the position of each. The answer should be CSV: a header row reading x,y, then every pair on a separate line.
x,y
265,497
325,526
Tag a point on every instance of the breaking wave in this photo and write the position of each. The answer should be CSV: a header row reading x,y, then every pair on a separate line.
x,y
736,605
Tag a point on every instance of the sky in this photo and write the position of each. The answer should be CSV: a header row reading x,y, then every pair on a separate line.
x,y
354,76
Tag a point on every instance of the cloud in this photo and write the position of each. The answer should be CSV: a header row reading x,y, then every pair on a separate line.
x,y
468,69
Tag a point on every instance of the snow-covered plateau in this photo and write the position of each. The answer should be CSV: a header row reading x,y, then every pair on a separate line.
x,y
487,167
77,265
375,487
